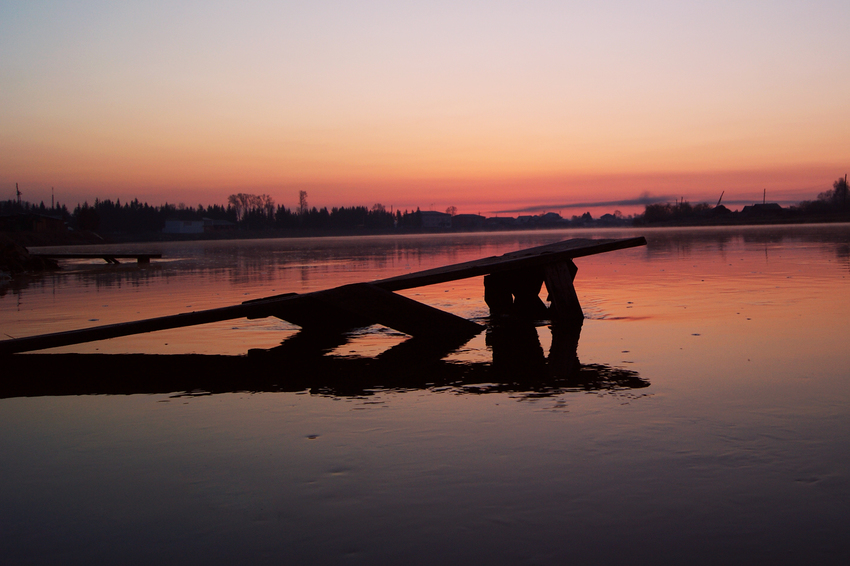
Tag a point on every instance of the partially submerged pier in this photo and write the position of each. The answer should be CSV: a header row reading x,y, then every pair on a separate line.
x,y
141,259
512,285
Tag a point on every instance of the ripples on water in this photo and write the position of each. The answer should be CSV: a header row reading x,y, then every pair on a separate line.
x,y
706,419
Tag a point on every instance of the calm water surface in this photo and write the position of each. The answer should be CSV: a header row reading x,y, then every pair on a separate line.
x,y
734,448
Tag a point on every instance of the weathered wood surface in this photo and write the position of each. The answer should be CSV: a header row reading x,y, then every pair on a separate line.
x,y
107,257
349,306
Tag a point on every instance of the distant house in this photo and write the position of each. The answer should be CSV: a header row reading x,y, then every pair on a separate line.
x,y
214,225
183,227
495,222
434,219
767,209
32,222
467,221
609,220
549,218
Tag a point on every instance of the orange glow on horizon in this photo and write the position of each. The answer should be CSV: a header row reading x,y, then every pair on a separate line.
x,y
486,109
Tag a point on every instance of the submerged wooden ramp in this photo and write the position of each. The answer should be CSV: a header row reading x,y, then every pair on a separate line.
x,y
512,283
142,259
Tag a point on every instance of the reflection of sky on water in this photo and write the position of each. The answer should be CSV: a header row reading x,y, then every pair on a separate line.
x,y
738,451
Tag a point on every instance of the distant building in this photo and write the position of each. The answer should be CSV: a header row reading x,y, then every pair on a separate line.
x,y
214,225
549,218
467,221
495,222
183,227
768,209
434,219
32,222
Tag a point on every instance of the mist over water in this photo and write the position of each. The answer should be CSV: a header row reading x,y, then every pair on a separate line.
x,y
707,420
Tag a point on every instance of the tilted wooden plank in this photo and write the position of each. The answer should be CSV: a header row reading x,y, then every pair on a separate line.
x,y
258,309
531,257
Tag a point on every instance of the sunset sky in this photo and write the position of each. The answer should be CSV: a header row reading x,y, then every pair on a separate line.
x,y
493,107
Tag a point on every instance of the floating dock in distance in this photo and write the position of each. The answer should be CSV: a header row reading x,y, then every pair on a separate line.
x,y
512,284
141,259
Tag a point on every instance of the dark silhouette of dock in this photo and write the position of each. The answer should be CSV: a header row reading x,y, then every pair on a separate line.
x,y
141,259
512,284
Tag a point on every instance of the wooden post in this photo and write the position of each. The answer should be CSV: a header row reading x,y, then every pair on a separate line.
x,y
559,282
497,295
515,293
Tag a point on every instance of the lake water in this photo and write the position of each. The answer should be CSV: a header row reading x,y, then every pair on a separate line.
x,y
709,422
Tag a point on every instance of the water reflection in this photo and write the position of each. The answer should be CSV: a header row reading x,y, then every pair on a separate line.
x,y
316,259
518,366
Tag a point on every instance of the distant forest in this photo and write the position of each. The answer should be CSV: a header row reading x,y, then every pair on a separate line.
x,y
244,211
830,205
249,212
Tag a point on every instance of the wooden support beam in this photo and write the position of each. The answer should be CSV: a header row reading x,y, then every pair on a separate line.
x,y
314,312
397,312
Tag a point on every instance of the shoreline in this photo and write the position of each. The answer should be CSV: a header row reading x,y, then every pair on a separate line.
x,y
34,239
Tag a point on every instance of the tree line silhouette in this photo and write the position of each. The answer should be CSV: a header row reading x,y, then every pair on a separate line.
x,y
830,205
243,211
246,211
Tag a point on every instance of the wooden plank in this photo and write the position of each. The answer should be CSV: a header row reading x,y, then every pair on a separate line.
x,y
522,259
258,309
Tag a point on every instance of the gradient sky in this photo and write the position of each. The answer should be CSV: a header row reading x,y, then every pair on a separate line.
x,y
488,106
